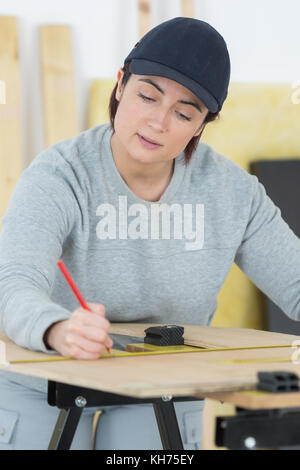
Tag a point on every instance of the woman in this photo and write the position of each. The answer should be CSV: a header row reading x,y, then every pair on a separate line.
x,y
96,202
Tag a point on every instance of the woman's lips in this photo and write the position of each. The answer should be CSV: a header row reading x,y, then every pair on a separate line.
x,y
147,144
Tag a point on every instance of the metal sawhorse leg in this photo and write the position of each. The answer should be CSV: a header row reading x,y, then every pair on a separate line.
x,y
72,400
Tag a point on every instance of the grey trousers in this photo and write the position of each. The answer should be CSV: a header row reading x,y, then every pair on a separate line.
x,y
27,423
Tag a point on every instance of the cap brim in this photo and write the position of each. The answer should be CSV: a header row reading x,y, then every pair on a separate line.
x,y
146,67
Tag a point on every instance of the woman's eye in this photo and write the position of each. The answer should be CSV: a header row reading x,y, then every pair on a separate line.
x,y
145,98
184,117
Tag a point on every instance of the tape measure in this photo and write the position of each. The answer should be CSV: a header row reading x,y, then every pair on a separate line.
x,y
167,339
254,360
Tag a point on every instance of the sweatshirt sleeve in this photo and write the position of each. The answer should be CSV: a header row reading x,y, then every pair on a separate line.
x,y
270,253
39,217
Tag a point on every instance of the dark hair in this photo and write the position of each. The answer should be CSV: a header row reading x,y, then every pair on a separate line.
x,y
114,103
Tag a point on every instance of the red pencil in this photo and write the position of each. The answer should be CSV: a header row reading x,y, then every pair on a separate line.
x,y
75,289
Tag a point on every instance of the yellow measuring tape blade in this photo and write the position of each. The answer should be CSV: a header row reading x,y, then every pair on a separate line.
x,y
157,350
254,360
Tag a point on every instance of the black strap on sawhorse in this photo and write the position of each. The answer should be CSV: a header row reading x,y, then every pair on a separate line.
x,y
72,400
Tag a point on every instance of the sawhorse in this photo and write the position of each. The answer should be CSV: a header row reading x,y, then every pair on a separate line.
x,y
72,400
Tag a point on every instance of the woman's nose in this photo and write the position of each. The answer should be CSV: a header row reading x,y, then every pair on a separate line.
x,y
159,120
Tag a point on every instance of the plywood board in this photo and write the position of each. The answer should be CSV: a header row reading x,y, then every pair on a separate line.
x,y
10,119
102,88
58,88
188,8
143,17
255,399
98,105
191,374
213,336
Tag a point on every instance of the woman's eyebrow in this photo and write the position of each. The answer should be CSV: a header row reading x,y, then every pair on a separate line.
x,y
151,82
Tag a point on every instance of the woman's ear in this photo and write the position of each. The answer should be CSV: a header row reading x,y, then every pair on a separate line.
x,y
119,89
202,126
200,129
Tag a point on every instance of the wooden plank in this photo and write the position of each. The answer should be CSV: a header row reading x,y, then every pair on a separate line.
x,y
194,335
101,88
179,374
2,92
143,17
211,410
10,119
195,374
141,376
100,92
187,8
255,399
213,336
58,88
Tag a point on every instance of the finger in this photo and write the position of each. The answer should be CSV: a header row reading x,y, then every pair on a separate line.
x,y
77,353
92,333
75,341
109,343
96,308
84,317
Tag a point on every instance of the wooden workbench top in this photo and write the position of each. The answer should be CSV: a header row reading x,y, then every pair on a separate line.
x,y
196,374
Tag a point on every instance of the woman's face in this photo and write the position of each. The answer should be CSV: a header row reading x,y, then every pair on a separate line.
x,y
153,107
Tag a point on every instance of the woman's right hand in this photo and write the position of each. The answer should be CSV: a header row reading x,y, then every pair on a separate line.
x,y
83,335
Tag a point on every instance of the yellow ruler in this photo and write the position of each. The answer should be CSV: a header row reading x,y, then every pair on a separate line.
x,y
135,350
254,360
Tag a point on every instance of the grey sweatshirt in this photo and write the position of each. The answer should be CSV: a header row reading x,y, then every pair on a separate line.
x,y
160,262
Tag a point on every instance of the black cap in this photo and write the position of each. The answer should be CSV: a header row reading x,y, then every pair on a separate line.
x,y
189,51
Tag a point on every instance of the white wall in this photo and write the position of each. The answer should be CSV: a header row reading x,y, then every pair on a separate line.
x,y
263,38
